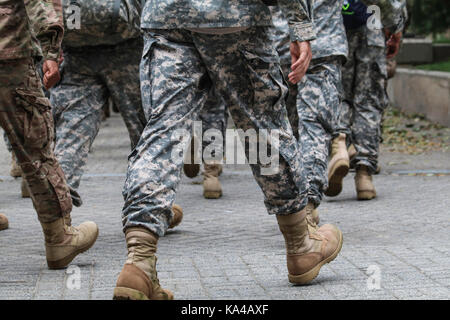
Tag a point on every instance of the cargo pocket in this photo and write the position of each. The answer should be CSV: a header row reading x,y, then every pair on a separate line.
x,y
37,121
269,100
54,175
145,74
266,77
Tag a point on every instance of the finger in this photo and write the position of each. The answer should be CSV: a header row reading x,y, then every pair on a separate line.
x,y
300,61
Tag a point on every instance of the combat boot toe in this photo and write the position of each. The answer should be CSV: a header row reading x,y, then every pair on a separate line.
x,y
212,188
177,216
16,171
338,166
4,224
63,243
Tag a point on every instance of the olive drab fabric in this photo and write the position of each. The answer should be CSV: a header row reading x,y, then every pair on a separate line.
x,y
101,22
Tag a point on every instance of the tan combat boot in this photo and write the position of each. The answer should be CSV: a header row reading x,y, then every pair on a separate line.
x,y
63,243
177,217
24,189
139,279
307,247
3,222
16,171
365,189
338,166
211,184
190,168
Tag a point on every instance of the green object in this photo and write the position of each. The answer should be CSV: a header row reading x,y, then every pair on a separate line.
x,y
440,66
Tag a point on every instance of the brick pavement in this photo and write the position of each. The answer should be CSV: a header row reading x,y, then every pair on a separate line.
x,y
230,248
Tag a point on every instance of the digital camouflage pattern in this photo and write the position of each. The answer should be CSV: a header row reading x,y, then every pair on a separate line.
x,y
313,105
331,39
214,117
90,76
26,26
178,71
185,14
364,76
25,115
318,103
102,22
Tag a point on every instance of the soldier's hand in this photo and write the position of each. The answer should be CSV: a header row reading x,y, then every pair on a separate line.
x,y
393,44
51,73
301,56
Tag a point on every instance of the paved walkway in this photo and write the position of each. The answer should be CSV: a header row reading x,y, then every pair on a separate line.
x,y
395,247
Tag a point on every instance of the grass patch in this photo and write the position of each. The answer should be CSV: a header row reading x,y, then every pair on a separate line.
x,y
439,66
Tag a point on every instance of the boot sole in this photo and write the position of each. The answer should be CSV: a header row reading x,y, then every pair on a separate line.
x,y
212,195
336,177
64,262
366,195
122,293
314,272
191,170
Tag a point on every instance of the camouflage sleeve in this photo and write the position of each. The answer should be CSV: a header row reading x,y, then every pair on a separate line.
x,y
299,16
391,12
47,22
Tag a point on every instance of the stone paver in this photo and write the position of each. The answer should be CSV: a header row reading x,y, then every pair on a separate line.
x,y
230,248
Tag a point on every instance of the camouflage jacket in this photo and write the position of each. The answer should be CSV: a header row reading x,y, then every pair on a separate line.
x,y
30,28
331,37
183,14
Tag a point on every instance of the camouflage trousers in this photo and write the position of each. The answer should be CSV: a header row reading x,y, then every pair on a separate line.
x,y
25,115
89,77
364,76
214,120
318,103
313,108
178,71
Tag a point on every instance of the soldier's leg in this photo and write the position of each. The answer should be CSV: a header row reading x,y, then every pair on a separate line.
x,y
370,100
279,35
25,115
338,165
245,68
121,75
344,117
77,108
174,85
318,103
214,125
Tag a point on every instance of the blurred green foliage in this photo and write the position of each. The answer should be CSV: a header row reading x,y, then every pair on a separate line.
x,y
430,16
